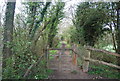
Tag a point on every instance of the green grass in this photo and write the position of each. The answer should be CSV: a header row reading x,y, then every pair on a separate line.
x,y
74,72
104,71
52,52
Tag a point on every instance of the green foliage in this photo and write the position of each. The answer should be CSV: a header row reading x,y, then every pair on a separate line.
x,y
27,51
104,57
23,57
52,52
41,72
59,45
106,42
109,48
56,15
9,69
43,13
36,13
99,69
89,21
104,71
42,27
74,36
55,41
74,72
24,52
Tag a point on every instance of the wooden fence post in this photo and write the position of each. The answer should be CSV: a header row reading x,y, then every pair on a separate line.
x,y
74,60
47,57
86,62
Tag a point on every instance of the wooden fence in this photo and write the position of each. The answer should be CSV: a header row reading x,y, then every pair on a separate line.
x,y
76,55
87,58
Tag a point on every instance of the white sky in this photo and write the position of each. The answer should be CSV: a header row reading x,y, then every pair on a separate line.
x,y
19,8
69,2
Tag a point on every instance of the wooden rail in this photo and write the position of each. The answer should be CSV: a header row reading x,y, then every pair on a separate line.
x,y
59,49
87,58
103,51
102,62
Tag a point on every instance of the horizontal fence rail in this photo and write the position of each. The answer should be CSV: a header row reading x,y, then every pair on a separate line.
x,y
86,57
59,49
103,51
102,62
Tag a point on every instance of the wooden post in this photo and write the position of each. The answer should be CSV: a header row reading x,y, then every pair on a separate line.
x,y
74,60
62,52
86,62
47,57
63,48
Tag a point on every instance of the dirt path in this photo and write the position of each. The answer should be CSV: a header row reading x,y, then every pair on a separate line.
x,y
64,69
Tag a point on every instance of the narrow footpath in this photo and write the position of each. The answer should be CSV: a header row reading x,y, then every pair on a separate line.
x,y
64,69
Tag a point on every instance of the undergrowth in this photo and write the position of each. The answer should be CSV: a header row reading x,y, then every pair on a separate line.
x,y
104,71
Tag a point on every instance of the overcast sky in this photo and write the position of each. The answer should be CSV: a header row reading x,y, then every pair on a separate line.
x,y
67,11
69,2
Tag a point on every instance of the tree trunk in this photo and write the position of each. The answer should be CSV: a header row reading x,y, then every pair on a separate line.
x,y
118,31
8,29
113,37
